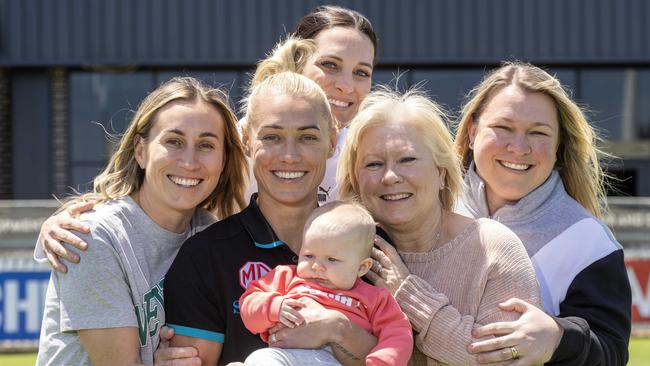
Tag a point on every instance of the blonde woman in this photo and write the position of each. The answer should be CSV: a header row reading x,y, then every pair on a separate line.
x,y
288,137
179,159
532,164
447,272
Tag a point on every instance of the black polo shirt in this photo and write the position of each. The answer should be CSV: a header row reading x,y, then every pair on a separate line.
x,y
211,272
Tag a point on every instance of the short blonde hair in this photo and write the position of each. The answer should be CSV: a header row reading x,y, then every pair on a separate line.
x,y
346,217
385,106
578,158
123,176
292,85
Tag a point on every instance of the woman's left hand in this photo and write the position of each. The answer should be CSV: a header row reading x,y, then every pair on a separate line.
x,y
532,338
388,270
166,355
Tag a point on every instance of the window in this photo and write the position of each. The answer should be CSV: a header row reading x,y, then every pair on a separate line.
x,y
100,103
618,99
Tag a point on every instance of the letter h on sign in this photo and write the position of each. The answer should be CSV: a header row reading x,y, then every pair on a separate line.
x,y
22,295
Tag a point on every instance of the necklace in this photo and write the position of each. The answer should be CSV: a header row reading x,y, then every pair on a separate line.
x,y
438,234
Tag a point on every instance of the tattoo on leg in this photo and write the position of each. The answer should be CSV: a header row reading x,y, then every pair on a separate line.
x,y
343,350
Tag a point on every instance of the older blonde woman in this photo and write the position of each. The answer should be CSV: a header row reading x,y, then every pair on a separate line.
x,y
179,157
532,164
447,272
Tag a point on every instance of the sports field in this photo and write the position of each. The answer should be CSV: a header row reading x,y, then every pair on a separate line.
x,y
639,355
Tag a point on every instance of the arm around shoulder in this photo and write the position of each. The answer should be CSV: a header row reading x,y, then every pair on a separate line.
x,y
58,229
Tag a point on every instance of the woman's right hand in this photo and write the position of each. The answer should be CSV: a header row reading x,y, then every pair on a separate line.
x,y
56,230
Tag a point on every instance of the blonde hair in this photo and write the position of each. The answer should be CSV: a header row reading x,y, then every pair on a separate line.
x,y
123,176
292,85
292,54
577,155
346,217
385,106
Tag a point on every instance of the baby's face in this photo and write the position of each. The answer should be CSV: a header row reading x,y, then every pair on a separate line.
x,y
333,260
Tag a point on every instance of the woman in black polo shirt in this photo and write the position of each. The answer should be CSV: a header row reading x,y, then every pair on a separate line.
x,y
289,136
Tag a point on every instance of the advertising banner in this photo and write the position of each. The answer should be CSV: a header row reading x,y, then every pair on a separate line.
x,y
638,271
22,295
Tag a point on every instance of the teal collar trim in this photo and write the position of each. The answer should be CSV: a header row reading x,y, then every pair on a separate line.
x,y
275,244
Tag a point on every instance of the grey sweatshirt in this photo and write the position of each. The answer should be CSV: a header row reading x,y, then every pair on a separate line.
x,y
579,267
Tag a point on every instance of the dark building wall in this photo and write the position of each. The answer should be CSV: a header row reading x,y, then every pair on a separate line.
x,y
235,33
6,140
97,59
31,135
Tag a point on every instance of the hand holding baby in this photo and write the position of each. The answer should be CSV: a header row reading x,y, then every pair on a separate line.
x,y
289,313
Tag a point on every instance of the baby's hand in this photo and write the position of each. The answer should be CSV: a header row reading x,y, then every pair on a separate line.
x,y
289,314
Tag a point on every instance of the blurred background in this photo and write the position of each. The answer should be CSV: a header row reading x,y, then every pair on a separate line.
x,y
72,71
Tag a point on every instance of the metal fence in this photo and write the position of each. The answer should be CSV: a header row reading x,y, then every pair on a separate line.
x,y
23,282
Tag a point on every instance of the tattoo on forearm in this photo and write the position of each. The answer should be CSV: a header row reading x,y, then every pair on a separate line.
x,y
343,350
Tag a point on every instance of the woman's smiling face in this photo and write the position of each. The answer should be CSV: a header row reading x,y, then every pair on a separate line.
x,y
183,157
399,181
289,146
342,67
515,142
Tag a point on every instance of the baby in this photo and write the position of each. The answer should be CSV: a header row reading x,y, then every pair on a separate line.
x,y
335,253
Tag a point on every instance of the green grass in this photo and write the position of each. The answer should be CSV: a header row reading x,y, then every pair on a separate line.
x,y
639,355
18,359
639,352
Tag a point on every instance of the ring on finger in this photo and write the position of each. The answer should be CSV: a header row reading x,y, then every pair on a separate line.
x,y
273,338
376,266
514,352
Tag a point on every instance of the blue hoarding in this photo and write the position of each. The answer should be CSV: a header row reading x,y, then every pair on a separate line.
x,y
22,296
